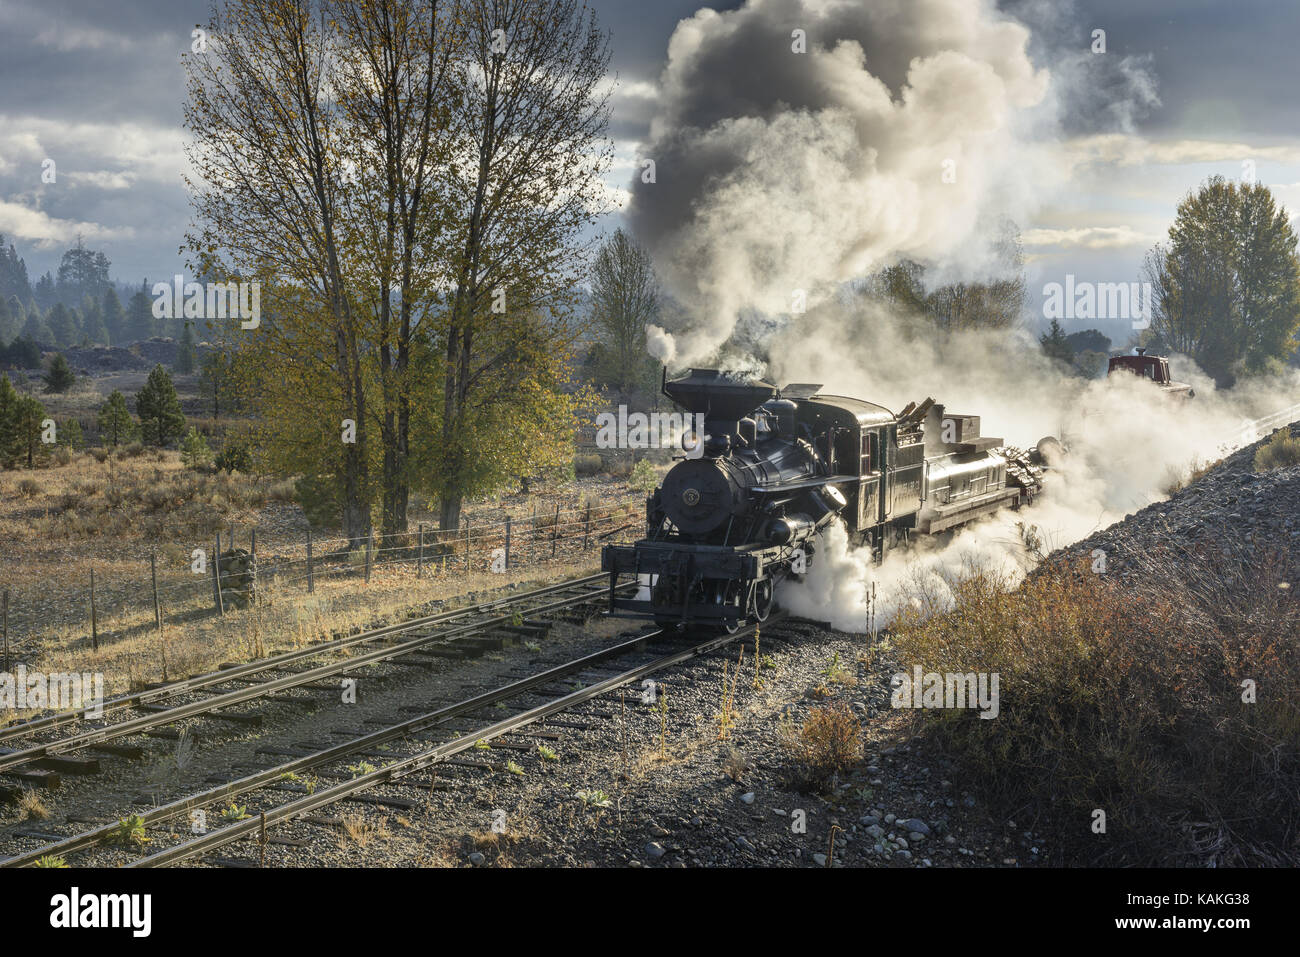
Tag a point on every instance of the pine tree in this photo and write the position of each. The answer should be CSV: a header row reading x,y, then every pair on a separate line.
x,y
114,420
70,434
161,418
93,331
140,323
8,328
60,377
185,352
29,414
114,317
13,274
9,444
195,451
1055,343
24,353
217,381
35,328
63,323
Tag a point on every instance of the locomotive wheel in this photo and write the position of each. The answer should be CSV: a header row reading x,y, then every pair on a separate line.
x,y
762,600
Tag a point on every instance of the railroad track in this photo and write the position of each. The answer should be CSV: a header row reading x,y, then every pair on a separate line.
x,y
424,742
38,762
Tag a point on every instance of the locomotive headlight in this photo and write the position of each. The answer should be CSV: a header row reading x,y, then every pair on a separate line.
x,y
835,498
691,497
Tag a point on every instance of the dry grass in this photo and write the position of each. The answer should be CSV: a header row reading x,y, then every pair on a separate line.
x,y
283,619
360,831
734,765
59,524
1129,699
1180,478
31,807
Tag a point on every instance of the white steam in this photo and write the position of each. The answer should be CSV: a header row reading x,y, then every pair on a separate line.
x,y
901,131
1126,441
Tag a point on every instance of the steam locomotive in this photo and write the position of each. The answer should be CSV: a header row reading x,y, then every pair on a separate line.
x,y
775,467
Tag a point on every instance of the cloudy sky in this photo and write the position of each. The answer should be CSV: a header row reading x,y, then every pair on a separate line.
x,y
1189,88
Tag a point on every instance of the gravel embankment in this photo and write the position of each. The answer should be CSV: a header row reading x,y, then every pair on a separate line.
x,y
1231,507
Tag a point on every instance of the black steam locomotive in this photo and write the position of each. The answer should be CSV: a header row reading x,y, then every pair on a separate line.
x,y
776,467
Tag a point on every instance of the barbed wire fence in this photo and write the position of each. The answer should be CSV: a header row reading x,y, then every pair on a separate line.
x,y
234,569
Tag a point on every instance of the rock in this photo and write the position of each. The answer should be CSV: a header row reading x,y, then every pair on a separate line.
x,y
747,798
476,858
915,824
655,850
819,860
876,831
658,831
890,819
915,836
868,819
744,845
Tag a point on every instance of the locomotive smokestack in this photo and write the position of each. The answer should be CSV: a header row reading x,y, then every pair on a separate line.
x,y
718,395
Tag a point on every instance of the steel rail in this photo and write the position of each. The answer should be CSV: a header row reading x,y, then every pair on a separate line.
x,y
180,712
438,753
182,807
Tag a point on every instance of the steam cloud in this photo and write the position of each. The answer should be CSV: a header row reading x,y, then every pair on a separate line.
x,y
1126,442
781,172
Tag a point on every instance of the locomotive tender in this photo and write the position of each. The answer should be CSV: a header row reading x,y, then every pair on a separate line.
x,y
778,466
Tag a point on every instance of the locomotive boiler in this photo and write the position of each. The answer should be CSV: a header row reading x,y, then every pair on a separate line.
x,y
775,468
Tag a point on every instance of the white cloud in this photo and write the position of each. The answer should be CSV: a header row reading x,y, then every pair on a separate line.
x,y
1119,149
150,153
39,227
1089,237
103,179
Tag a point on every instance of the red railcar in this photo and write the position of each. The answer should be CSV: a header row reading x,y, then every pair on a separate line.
x,y
1155,368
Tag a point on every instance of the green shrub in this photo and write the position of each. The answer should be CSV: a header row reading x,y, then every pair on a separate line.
x,y
587,464
1280,451
643,477
235,458
321,499
194,449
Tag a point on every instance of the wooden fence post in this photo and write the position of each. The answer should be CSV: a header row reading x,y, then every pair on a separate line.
x,y
153,576
555,529
4,628
586,525
94,622
216,577
507,562
370,541
252,564
467,548
311,584
419,555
